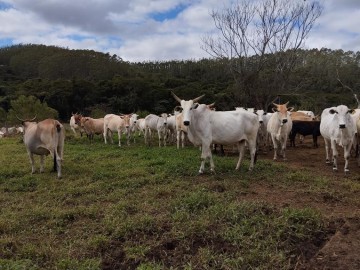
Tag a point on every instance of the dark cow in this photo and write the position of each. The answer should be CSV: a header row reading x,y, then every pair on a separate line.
x,y
305,128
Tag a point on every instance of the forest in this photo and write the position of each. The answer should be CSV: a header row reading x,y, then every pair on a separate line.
x,y
59,81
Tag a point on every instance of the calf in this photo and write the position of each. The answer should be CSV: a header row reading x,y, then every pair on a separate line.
x,y
305,128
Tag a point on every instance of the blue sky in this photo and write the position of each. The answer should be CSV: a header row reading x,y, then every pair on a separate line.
x,y
143,30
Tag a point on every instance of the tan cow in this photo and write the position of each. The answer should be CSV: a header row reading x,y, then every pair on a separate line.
x,y
92,126
119,123
300,116
279,127
44,138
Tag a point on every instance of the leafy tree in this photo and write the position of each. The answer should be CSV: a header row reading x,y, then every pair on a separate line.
x,y
27,107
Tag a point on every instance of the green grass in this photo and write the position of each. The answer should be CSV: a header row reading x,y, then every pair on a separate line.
x,y
139,207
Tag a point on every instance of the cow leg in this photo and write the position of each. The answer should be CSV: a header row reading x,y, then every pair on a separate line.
x,y
241,149
182,139
58,162
283,148
105,134
252,148
146,136
178,139
275,144
31,156
42,158
159,135
165,136
347,150
119,136
327,157
335,155
206,153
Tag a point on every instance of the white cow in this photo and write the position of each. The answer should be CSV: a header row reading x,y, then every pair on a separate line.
x,y
44,138
205,127
156,123
171,127
356,117
181,129
73,124
279,127
337,128
263,135
119,123
140,126
133,125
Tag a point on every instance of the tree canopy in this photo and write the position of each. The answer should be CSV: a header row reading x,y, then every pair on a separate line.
x,y
107,84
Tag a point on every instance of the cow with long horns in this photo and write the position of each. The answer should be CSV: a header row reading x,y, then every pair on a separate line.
x,y
205,127
44,138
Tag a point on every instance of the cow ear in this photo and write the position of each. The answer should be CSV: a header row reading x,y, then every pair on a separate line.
x,y
265,113
290,109
332,111
351,111
196,105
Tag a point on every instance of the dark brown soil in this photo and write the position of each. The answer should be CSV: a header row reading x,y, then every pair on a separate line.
x,y
342,249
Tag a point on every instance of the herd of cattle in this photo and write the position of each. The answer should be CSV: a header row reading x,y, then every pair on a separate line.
x,y
204,127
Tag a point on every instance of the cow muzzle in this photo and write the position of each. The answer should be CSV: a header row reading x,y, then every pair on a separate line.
x,y
342,126
284,121
186,123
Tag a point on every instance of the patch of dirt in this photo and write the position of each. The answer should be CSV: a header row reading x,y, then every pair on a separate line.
x,y
342,249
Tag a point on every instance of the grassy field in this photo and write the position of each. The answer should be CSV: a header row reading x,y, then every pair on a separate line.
x,y
139,207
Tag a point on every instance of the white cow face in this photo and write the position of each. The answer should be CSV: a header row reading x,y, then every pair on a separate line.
x,y
260,114
187,106
164,116
342,115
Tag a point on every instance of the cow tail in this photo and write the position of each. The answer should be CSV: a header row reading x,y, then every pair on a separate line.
x,y
55,164
58,141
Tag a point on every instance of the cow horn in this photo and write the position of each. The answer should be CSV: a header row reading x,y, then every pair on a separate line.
x,y
287,103
212,105
275,104
25,120
196,99
176,97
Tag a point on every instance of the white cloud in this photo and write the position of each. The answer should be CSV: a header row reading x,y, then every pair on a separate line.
x,y
130,28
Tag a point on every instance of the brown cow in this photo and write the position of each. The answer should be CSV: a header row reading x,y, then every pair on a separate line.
x,y
92,126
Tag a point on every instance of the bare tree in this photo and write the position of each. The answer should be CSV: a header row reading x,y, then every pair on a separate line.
x,y
347,87
261,39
